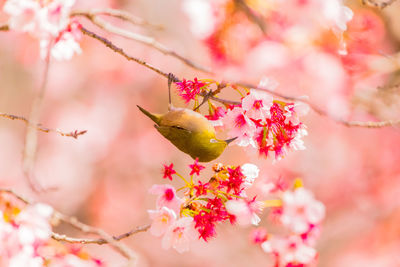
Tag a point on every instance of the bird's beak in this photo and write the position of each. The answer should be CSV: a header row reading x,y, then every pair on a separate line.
x,y
231,140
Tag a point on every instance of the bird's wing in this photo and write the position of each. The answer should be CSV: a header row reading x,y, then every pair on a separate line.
x,y
177,135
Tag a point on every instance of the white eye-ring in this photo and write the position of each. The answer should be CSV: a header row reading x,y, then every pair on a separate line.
x,y
213,141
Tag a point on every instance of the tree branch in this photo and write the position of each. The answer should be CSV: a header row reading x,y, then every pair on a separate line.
x,y
116,13
105,238
99,241
381,5
146,40
367,124
74,134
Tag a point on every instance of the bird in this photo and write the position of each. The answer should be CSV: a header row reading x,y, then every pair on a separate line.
x,y
189,131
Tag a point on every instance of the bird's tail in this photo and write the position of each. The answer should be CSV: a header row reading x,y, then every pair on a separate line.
x,y
153,117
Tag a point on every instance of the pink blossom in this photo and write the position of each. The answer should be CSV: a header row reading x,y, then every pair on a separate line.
x,y
240,126
245,211
169,171
188,89
26,257
41,19
48,21
180,235
34,223
216,115
162,219
250,171
258,235
290,250
294,111
300,210
196,167
166,197
337,14
257,104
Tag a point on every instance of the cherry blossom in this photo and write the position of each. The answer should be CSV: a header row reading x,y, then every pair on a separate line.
x,y
180,235
257,104
196,167
290,250
169,171
245,211
300,210
166,197
188,89
48,21
162,219
240,126
250,171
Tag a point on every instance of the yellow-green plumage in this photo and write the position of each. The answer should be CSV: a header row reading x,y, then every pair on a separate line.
x,y
190,132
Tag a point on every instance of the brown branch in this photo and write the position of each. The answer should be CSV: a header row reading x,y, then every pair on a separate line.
x,y
116,13
104,236
121,51
99,241
74,134
146,40
120,247
368,124
381,4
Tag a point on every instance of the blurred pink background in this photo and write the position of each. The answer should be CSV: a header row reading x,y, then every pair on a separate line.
x,y
103,177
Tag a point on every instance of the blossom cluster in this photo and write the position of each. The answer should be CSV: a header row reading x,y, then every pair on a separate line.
x,y
50,22
25,238
302,215
224,198
265,124
189,89
204,205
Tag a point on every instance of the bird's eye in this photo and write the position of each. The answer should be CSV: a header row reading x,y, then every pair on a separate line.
x,y
213,141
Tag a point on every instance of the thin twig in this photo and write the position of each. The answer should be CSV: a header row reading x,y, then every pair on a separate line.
x,y
380,5
120,14
146,40
121,51
105,238
122,248
99,241
74,134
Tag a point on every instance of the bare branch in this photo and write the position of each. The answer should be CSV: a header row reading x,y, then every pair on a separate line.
x,y
381,4
121,51
104,236
99,241
74,134
368,124
146,40
116,13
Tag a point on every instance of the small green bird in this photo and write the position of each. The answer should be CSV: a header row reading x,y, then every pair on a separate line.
x,y
189,131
